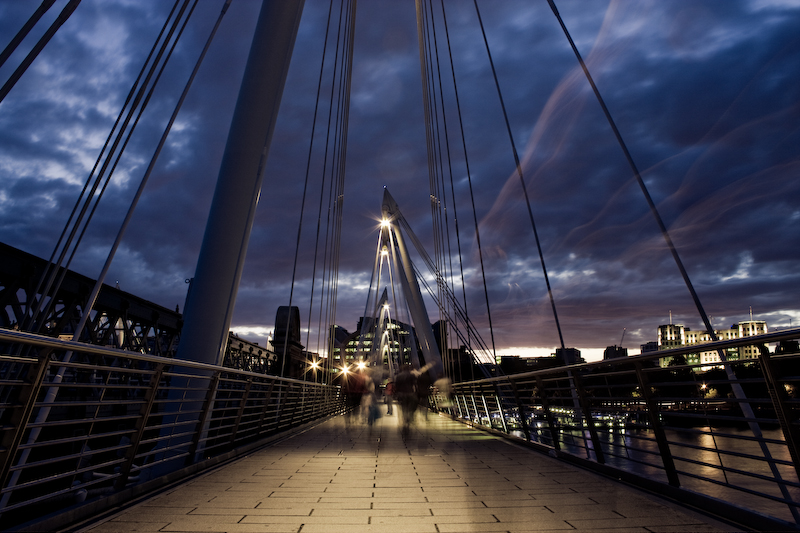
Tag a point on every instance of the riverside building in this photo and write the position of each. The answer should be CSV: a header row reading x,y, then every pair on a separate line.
x,y
677,335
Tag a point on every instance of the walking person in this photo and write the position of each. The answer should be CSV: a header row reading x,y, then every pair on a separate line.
x,y
405,390
354,387
388,396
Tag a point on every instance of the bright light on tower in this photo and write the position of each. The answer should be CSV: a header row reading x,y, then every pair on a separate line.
x,y
385,223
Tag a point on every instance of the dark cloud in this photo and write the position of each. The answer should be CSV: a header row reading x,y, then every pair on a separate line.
x,y
705,95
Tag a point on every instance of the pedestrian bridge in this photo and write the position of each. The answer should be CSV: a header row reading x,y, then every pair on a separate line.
x,y
339,477
88,430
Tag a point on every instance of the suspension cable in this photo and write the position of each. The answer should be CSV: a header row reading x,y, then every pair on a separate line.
x,y
49,274
20,70
449,162
638,176
738,391
51,264
322,196
101,278
521,177
25,29
446,256
429,62
106,179
305,186
333,227
469,181
337,126
342,156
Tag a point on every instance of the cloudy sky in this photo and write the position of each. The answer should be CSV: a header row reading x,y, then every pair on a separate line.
x,y
706,94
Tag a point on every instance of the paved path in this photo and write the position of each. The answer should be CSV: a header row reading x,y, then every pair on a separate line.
x,y
445,477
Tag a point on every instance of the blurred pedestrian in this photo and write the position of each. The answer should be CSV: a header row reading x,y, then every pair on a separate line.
x,y
405,391
424,391
369,403
353,386
388,396
444,387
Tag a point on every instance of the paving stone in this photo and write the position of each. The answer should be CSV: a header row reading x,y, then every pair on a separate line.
x,y
114,527
554,525
442,478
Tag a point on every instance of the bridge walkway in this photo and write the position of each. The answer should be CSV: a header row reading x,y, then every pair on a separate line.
x,y
443,477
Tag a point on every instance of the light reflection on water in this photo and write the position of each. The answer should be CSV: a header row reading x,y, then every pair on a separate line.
x,y
628,449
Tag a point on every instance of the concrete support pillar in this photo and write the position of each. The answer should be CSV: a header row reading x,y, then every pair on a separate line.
x,y
211,299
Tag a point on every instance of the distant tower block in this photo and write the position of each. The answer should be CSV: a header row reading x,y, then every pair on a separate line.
x,y
291,361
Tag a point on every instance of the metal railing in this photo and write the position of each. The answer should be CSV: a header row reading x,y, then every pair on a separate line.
x,y
83,423
724,437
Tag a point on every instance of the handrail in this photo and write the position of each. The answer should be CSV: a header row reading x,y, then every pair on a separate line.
x,y
766,338
34,339
115,422
675,429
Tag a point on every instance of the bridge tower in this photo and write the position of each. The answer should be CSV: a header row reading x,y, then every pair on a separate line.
x,y
212,294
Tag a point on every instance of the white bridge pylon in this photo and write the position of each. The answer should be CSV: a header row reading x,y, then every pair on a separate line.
x,y
393,253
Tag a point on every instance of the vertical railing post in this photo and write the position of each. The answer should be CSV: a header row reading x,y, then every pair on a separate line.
x,y
791,434
523,416
296,405
587,415
475,404
240,412
19,419
140,427
655,423
267,397
548,414
283,396
201,428
500,408
458,406
486,410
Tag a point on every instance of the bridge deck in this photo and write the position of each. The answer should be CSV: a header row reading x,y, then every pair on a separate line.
x,y
443,477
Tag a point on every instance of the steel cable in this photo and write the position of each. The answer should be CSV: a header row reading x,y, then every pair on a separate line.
x,y
38,47
521,177
106,178
24,30
134,97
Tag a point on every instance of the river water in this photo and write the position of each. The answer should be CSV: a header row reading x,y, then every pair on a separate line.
x,y
725,461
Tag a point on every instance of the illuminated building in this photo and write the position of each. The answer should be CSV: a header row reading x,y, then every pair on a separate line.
x,y
676,335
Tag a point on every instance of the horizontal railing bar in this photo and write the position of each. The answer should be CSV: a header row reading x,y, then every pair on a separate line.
x,y
732,470
784,335
50,496
78,438
104,368
741,489
24,337
55,423
169,437
637,461
92,403
62,475
71,457
731,436
730,453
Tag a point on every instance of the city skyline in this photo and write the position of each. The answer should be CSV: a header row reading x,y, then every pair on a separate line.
x,y
706,97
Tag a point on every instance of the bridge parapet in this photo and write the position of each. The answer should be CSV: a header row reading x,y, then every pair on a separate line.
x,y
122,423
678,430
